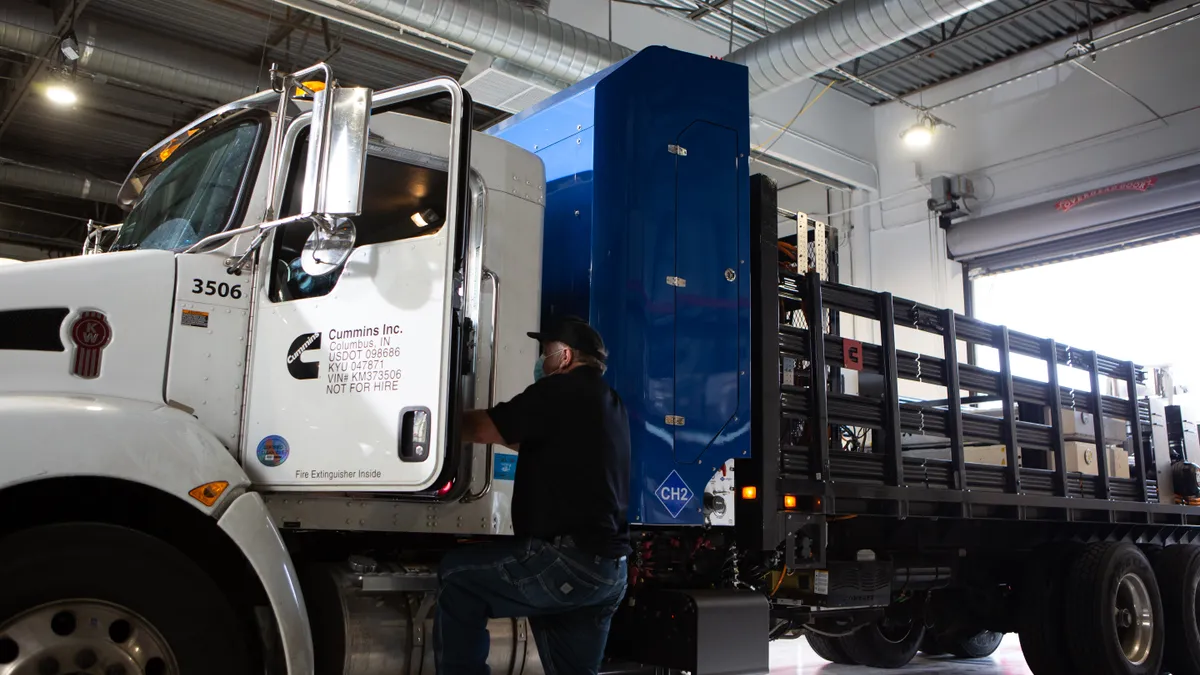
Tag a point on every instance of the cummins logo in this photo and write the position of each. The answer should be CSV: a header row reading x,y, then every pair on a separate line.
x,y
303,370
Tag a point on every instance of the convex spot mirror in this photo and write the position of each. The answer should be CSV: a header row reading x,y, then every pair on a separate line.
x,y
328,246
337,152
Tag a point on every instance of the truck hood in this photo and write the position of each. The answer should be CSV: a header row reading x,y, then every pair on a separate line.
x,y
97,324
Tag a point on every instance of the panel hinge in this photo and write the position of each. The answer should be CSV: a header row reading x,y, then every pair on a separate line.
x,y
674,421
677,282
677,150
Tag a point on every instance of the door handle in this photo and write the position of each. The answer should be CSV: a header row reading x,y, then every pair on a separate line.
x,y
414,435
495,342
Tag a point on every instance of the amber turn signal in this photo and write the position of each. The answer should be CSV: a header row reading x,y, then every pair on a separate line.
x,y
789,501
209,493
749,492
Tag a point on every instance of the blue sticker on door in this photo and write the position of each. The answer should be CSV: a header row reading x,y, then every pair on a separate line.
x,y
506,467
273,451
674,494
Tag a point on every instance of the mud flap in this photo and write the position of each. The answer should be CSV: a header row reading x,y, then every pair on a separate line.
x,y
704,632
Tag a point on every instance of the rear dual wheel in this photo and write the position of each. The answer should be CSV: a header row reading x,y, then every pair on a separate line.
x,y
1040,613
890,642
1114,624
1177,569
830,649
1091,610
975,646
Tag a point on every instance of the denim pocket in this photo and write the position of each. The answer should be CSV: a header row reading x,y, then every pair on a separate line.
x,y
565,586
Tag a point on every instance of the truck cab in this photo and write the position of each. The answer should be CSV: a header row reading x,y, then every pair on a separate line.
x,y
308,287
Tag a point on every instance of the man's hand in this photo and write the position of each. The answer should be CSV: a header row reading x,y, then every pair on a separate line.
x,y
478,427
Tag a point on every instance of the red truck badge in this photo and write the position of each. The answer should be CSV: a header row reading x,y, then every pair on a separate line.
x,y
91,334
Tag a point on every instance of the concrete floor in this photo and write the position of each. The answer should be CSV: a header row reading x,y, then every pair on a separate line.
x,y
794,656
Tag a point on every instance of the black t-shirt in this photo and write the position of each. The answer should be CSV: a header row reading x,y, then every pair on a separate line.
x,y
573,470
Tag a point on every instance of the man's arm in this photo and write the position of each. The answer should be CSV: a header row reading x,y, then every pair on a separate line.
x,y
478,427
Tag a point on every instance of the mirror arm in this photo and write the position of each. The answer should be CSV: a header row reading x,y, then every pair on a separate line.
x,y
281,115
262,230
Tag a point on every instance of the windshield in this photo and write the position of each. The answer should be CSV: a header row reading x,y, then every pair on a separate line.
x,y
194,195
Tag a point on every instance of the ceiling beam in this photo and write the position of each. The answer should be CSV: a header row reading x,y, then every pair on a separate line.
x,y
706,7
292,23
954,38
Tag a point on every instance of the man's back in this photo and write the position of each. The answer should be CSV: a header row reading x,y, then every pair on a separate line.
x,y
573,472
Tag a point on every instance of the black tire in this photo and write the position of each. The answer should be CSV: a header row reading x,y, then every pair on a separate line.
x,y
147,578
1178,571
1040,610
830,649
884,644
978,646
1103,579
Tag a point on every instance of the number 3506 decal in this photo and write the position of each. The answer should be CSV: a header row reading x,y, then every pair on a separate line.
x,y
222,289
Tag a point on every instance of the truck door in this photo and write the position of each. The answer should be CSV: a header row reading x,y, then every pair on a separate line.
x,y
351,384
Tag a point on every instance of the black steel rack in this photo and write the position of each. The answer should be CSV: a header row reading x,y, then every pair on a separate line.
x,y
800,453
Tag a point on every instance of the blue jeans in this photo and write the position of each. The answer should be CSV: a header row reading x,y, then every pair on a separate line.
x,y
568,595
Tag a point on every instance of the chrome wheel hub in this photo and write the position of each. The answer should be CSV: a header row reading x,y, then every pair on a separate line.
x,y
1134,618
82,637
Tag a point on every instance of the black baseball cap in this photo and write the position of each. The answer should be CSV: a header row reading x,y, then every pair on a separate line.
x,y
574,333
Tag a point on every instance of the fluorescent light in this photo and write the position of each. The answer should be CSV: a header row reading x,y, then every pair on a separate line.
x,y
61,95
917,136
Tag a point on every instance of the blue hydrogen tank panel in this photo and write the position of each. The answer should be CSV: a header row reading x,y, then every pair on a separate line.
x,y
647,235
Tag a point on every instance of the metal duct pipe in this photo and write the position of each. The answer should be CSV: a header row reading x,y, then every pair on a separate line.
x,y
524,36
121,53
520,34
58,183
838,35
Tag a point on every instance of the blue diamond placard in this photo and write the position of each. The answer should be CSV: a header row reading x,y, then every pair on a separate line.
x,y
674,494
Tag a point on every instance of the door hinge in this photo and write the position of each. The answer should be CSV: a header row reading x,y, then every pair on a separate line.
x,y
674,421
677,282
677,150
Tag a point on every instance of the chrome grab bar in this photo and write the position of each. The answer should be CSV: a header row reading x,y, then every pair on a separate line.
x,y
488,469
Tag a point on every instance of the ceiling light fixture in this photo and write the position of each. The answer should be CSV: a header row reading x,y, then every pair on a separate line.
x,y
920,135
61,95
69,46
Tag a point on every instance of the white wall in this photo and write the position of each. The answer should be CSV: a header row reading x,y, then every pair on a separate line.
x,y
834,137
1043,137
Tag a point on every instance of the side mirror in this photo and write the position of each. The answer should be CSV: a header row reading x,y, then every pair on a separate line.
x,y
328,247
337,152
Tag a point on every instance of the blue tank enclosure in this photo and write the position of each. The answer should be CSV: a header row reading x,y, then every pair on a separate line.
x,y
647,234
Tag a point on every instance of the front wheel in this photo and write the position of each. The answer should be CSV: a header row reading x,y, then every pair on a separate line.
x,y
97,598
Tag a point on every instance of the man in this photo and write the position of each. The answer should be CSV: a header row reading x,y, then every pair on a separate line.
x,y
566,570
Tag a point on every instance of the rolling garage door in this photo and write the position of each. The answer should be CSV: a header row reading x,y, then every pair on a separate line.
x,y
1142,211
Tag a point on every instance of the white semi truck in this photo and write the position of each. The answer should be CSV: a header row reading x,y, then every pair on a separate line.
x,y
228,440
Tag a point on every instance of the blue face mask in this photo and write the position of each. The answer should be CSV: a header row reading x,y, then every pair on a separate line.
x,y
539,366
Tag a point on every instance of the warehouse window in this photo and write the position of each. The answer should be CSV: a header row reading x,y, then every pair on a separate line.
x,y
1131,305
193,196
